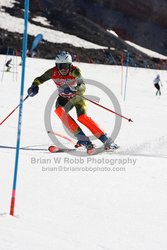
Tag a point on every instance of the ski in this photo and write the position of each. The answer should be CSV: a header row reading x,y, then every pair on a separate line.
x,y
55,149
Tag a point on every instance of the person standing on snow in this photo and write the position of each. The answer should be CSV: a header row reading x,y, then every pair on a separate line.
x,y
71,88
8,65
156,83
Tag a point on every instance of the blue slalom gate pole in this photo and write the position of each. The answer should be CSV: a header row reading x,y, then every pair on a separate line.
x,y
26,9
126,77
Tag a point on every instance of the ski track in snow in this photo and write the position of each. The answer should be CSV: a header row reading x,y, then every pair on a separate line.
x,y
136,150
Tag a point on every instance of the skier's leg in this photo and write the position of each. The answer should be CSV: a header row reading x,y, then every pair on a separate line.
x,y
158,89
69,122
81,109
63,106
97,131
93,126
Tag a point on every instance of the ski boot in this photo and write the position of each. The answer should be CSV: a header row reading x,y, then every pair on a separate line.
x,y
90,149
87,143
78,144
110,145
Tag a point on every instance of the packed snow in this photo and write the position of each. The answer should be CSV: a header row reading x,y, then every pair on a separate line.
x,y
107,201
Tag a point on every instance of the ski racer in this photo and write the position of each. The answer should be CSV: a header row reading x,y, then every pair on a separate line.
x,y
71,88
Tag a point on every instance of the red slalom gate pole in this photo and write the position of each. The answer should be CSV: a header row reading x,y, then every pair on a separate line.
x,y
129,119
12,111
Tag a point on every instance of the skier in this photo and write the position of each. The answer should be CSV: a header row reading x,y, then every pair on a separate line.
x,y
71,88
156,82
8,65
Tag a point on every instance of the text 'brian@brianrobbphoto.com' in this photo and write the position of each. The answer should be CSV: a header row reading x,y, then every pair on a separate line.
x,y
79,164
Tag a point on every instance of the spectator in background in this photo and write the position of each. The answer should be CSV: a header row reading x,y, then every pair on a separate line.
x,y
157,82
8,65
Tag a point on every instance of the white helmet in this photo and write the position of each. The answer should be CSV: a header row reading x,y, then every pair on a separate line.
x,y
63,57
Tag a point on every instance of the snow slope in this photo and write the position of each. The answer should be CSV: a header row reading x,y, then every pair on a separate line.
x,y
15,24
112,201
147,51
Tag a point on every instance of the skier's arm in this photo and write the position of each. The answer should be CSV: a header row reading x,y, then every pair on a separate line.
x,y
33,90
80,88
43,78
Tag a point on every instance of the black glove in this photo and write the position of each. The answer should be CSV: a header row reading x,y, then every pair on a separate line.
x,y
68,90
33,90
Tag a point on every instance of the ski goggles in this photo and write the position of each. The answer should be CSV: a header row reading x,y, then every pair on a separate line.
x,y
63,66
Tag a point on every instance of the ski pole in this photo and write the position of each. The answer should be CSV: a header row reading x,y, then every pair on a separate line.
x,y
129,119
12,111
62,136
